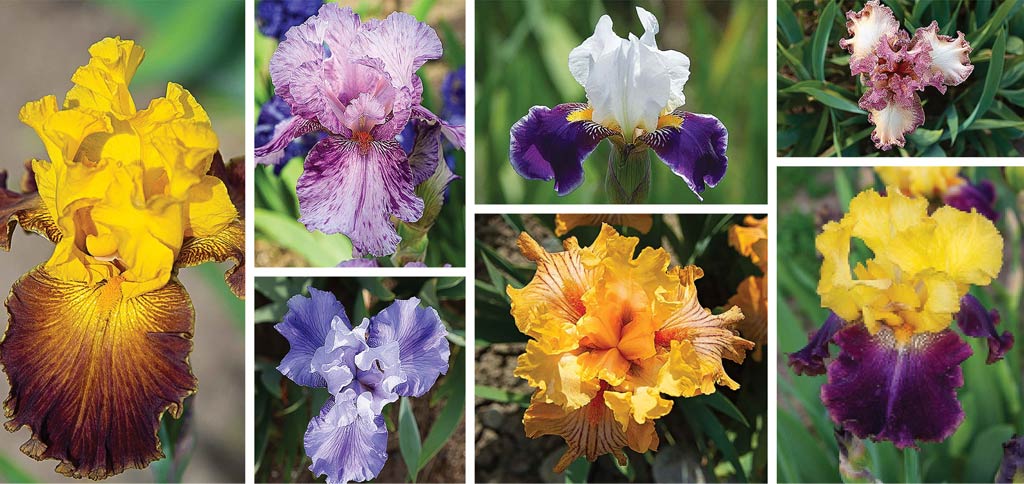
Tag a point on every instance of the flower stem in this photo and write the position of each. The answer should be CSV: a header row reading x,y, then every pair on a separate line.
x,y
911,467
629,174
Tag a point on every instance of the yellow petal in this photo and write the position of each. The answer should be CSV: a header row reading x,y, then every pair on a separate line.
x,y
102,84
567,222
557,376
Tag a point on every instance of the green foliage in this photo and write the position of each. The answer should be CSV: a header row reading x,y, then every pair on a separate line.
x,y
528,44
817,110
991,395
283,409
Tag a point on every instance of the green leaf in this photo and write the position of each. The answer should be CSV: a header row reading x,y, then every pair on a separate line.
x,y
819,44
318,249
421,8
577,471
448,420
409,438
992,78
826,94
977,38
788,24
701,418
499,395
720,402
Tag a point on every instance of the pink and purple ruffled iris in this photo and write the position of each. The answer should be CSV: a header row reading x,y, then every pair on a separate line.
x,y
883,390
356,81
399,352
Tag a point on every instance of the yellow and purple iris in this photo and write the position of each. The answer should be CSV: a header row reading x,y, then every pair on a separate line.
x,y
634,98
99,336
898,367
942,184
611,336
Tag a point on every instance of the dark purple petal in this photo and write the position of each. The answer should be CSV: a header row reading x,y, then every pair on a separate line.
x,y
546,145
354,188
306,326
810,360
455,134
975,321
980,196
1012,467
426,150
275,149
275,17
272,113
347,442
695,150
422,347
879,390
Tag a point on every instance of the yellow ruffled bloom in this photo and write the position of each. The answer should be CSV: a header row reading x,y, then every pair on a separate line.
x,y
611,335
751,240
921,181
922,265
125,187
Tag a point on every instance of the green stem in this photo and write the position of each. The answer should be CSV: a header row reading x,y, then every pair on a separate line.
x,y
629,173
911,467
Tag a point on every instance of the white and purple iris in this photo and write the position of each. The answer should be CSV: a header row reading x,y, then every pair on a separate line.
x,y
635,98
357,82
399,352
894,67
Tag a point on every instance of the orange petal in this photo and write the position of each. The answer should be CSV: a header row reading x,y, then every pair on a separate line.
x,y
227,244
752,298
566,222
91,373
557,287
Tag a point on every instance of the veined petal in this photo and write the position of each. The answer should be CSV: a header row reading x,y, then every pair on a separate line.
x,y
354,189
975,321
558,376
402,43
426,151
24,209
590,431
894,121
546,145
228,244
810,360
455,134
347,442
752,298
867,28
91,372
949,56
900,393
695,150
284,133
422,345
557,287
306,326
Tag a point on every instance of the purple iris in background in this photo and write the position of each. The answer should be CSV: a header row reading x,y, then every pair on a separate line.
x,y
357,82
275,17
273,112
399,352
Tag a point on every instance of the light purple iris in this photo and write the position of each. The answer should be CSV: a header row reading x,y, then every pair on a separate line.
x,y
921,378
357,82
399,352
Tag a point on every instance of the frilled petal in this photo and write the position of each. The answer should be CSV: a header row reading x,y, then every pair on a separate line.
x,y
24,209
228,244
949,56
902,394
556,375
590,431
306,326
867,29
752,298
694,149
1011,469
285,132
102,84
975,321
91,373
894,122
564,223
347,442
556,288
402,43
422,344
354,188
968,196
810,360
553,142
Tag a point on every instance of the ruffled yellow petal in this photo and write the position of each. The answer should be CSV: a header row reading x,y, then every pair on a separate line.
x,y
102,84
566,222
922,181
752,298
751,240
641,407
556,288
557,376
876,219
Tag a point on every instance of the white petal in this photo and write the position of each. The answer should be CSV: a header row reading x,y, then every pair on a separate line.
x,y
650,23
950,56
867,27
893,122
582,58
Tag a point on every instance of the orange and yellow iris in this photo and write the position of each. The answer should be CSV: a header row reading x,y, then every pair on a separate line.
x,y
751,240
611,336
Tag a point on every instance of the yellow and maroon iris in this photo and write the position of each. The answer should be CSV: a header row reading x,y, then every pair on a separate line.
x,y
99,335
611,336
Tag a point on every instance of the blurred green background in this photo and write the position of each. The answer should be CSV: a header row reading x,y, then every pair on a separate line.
x,y
818,112
200,45
721,437
991,395
281,241
435,421
522,61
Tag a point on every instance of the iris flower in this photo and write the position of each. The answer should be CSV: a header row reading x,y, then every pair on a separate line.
x,y
751,240
356,81
898,367
611,335
894,67
634,98
401,351
99,335
944,184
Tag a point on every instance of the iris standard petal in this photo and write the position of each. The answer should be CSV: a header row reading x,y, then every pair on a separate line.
x,y
345,443
422,347
1011,469
975,321
810,360
694,150
306,326
402,43
949,56
867,29
899,393
354,188
546,144
91,372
